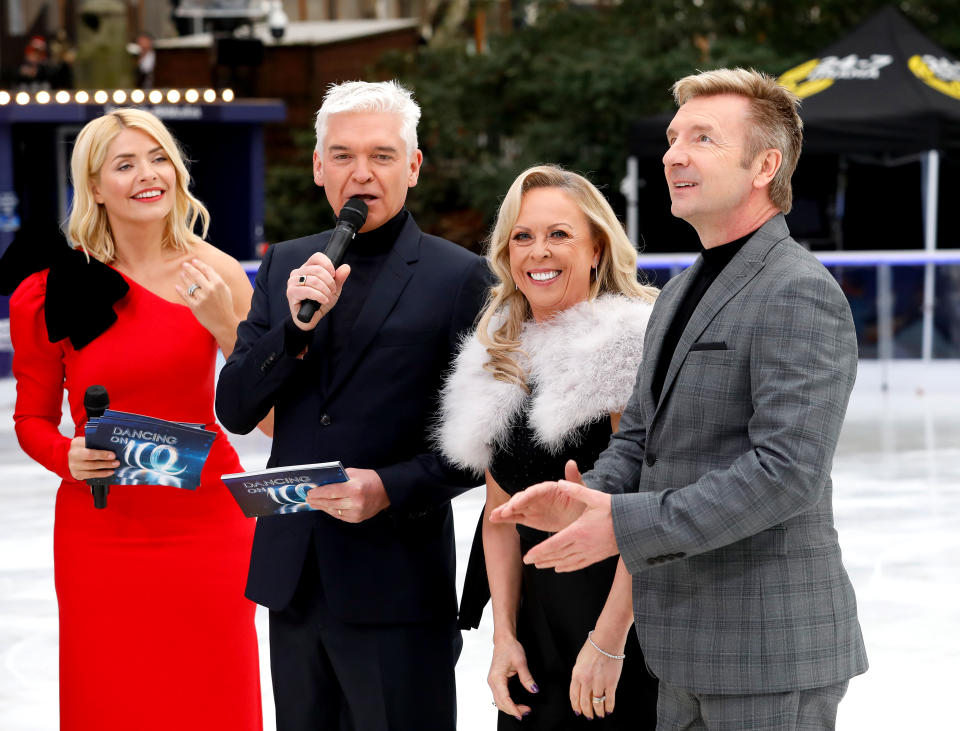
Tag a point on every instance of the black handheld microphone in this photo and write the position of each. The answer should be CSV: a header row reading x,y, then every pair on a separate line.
x,y
352,217
95,402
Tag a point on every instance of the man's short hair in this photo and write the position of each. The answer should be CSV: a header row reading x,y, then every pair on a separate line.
x,y
364,96
773,112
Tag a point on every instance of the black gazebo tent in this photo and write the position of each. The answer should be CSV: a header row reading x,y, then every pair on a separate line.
x,y
885,95
883,89
884,92
888,91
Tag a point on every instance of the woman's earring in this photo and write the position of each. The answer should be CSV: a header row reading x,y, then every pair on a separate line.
x,y
596,262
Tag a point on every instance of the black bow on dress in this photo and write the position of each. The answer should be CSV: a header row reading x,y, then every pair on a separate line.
x,y
80,293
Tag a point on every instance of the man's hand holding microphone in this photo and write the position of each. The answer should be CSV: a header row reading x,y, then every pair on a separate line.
x,y
317,280
314,288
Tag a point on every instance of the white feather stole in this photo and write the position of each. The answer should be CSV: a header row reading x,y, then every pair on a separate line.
x,y
580,365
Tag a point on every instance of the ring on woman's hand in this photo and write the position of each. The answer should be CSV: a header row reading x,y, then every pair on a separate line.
x,y
191,290
302,279
601,699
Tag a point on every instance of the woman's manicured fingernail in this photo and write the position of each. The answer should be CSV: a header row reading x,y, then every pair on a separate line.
x,y
526,713
534,688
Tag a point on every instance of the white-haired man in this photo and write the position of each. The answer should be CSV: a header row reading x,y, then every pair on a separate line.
x,y
361,591
718,492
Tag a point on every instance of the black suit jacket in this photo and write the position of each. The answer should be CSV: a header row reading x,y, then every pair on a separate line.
x,y
375,414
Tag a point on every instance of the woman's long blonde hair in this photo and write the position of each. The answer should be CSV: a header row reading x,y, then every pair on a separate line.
x,y
88,226
616,270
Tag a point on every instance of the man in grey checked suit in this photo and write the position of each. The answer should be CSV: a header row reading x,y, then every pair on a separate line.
x,y
716,490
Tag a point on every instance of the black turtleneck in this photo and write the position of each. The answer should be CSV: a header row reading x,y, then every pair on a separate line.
x,y
715,260
365,255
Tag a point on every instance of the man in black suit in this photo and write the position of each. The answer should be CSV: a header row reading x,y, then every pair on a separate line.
x,y
361,590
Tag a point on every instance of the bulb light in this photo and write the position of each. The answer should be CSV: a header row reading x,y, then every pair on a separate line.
x,y
119,96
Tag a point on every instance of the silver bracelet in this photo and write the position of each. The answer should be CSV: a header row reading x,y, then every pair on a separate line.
x,y
601,650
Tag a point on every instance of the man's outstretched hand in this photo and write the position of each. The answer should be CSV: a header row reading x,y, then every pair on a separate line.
x,y
581,515
544,506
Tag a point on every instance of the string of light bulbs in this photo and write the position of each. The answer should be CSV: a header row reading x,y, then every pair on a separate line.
x,y
117,96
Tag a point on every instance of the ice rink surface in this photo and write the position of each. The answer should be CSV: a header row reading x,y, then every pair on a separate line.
x,y
897,502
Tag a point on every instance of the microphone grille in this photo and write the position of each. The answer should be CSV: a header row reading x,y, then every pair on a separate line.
x,y
96,398
354,212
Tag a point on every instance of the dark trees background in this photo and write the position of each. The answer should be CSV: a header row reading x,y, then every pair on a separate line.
x,y
566,88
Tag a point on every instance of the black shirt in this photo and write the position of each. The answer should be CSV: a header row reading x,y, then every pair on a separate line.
x,y
366,256
714,261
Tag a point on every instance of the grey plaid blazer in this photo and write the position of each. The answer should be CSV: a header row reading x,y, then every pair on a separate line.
x,y
722,500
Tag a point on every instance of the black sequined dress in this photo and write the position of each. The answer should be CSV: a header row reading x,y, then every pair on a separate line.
x,y
557,610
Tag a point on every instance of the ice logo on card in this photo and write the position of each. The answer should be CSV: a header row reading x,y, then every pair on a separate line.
x,y
153,457
135,476
292,498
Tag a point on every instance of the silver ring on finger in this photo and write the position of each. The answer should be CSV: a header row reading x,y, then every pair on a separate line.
x,y
599,699
302,279
192,289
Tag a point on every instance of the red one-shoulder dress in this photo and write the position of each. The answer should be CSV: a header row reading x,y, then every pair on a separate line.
x,y
155,632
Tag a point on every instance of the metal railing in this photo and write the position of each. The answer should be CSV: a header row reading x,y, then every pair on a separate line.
x,y
905,303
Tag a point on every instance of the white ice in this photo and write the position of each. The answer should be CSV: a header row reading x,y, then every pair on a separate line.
x,y
897,502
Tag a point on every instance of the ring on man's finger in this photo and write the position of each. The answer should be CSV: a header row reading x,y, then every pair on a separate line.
x,y
302,279
599,699
339,512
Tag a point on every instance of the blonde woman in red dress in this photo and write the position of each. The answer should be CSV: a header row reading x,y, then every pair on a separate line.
x,y
155,632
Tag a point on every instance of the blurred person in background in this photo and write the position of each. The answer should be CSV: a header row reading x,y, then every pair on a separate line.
x,y
62,56
146,60
33,71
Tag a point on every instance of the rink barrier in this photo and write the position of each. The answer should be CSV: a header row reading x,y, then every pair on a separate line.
x,y
883,261
673,264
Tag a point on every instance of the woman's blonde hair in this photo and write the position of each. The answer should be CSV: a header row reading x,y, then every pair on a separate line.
x,y
88,226
616,270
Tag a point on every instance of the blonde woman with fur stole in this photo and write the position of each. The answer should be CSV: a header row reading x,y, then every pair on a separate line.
x,y
542,381
155,633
